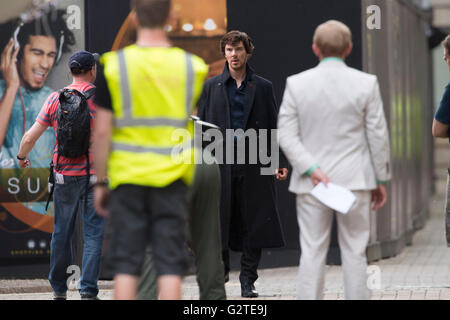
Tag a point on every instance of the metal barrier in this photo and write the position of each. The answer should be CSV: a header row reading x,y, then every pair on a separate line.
x,y
398,54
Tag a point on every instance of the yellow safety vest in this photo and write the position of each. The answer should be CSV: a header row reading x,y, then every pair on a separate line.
x,y
153,92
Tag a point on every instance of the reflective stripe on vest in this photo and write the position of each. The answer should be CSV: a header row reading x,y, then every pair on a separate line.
x,y
128,121
162,151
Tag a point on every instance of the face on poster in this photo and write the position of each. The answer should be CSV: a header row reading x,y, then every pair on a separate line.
x,y
35,46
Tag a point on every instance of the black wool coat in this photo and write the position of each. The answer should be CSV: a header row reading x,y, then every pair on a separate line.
x,y
260,112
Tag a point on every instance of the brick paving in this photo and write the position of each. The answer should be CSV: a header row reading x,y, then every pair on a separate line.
x,y
420,272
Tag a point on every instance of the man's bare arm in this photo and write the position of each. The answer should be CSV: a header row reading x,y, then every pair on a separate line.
x,y
102,141
28,141
101,149
439,129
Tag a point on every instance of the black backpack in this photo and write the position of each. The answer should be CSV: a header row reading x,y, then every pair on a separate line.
x,y
73,123
73,128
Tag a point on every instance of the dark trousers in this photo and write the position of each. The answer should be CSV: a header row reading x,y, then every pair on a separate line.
x,y
239,230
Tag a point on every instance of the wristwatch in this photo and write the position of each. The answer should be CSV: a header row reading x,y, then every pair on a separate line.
x,y
21,159
102,183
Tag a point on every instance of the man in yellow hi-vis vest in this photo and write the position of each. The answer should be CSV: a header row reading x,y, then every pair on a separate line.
x,y
145,93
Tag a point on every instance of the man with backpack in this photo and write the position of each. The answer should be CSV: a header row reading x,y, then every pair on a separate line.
x,y
71,114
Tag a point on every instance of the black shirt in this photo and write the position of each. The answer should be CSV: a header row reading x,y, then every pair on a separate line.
x,y
102,96
236,98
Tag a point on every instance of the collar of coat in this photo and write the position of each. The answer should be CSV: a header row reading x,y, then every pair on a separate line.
x,y
226,73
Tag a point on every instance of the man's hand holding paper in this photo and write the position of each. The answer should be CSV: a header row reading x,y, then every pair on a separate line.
x,y
334,196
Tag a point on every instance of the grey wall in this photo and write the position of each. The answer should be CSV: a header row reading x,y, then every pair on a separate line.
x,y
398,54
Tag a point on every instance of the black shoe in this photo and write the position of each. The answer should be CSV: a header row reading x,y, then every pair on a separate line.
x,y
86,296
227,277
248,290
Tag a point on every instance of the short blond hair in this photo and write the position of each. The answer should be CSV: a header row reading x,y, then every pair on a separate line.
x,y
333,38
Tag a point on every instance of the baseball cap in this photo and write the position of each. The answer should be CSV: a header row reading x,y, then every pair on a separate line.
x,y
83,60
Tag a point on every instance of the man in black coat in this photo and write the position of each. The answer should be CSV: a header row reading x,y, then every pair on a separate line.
x,y
239,99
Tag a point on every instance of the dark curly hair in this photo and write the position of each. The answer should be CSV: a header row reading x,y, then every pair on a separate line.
x,y
51,22
233,38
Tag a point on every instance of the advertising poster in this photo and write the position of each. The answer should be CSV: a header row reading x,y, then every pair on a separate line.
x,y
45,34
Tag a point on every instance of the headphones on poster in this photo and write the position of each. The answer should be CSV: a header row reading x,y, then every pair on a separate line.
x,y
38,10
16,40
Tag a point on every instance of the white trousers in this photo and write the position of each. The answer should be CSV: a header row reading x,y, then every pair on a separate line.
x,y
315,222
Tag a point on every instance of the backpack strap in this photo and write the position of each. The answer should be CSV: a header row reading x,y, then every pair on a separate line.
x,y
89,93
51,180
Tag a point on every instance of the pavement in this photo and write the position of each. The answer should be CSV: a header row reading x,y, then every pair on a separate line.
x,y
420,272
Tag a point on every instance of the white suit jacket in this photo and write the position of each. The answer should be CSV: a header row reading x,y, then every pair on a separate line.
x,y
332,116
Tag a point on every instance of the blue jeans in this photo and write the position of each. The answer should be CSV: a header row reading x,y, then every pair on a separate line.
x,y
67,198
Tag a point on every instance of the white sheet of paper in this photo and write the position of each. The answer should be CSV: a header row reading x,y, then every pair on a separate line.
x,y
335,197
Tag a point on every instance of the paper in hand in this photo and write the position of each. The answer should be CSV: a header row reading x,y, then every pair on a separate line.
x,y
335,197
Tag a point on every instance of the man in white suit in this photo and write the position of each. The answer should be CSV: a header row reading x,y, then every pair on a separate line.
x,y
332,128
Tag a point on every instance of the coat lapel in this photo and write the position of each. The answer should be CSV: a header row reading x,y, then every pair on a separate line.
x,y
223,90
249,99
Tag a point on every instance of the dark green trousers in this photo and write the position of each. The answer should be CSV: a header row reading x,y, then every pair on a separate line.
x,y
204,232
